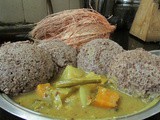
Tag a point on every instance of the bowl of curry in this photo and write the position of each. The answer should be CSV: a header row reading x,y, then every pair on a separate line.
x,y
76,94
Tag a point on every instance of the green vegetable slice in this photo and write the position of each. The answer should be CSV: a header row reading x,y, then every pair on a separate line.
x,y
75,82
84,94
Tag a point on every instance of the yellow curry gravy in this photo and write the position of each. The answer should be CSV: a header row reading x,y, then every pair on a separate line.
x,y
72,108
127,105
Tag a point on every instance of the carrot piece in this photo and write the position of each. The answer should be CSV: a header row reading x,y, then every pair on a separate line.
x,y
106,98
42,88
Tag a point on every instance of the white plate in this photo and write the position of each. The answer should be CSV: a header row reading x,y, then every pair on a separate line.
x,y
9,105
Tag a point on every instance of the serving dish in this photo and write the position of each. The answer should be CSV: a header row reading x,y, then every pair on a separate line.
x,y
9,105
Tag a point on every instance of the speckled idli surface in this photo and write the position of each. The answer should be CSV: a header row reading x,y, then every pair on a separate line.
x,y
62,54
23,66
97,54
137,73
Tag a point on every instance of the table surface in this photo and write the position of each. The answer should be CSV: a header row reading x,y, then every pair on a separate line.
x,y
122,37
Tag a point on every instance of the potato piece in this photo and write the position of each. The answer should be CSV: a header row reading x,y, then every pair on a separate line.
x,y
71,72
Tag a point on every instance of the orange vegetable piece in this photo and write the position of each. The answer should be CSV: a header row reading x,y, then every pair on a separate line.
x,y
42,88
106,98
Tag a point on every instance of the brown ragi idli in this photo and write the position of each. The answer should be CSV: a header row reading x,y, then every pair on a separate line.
x,y
23,66
137,73
97,54
62,54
